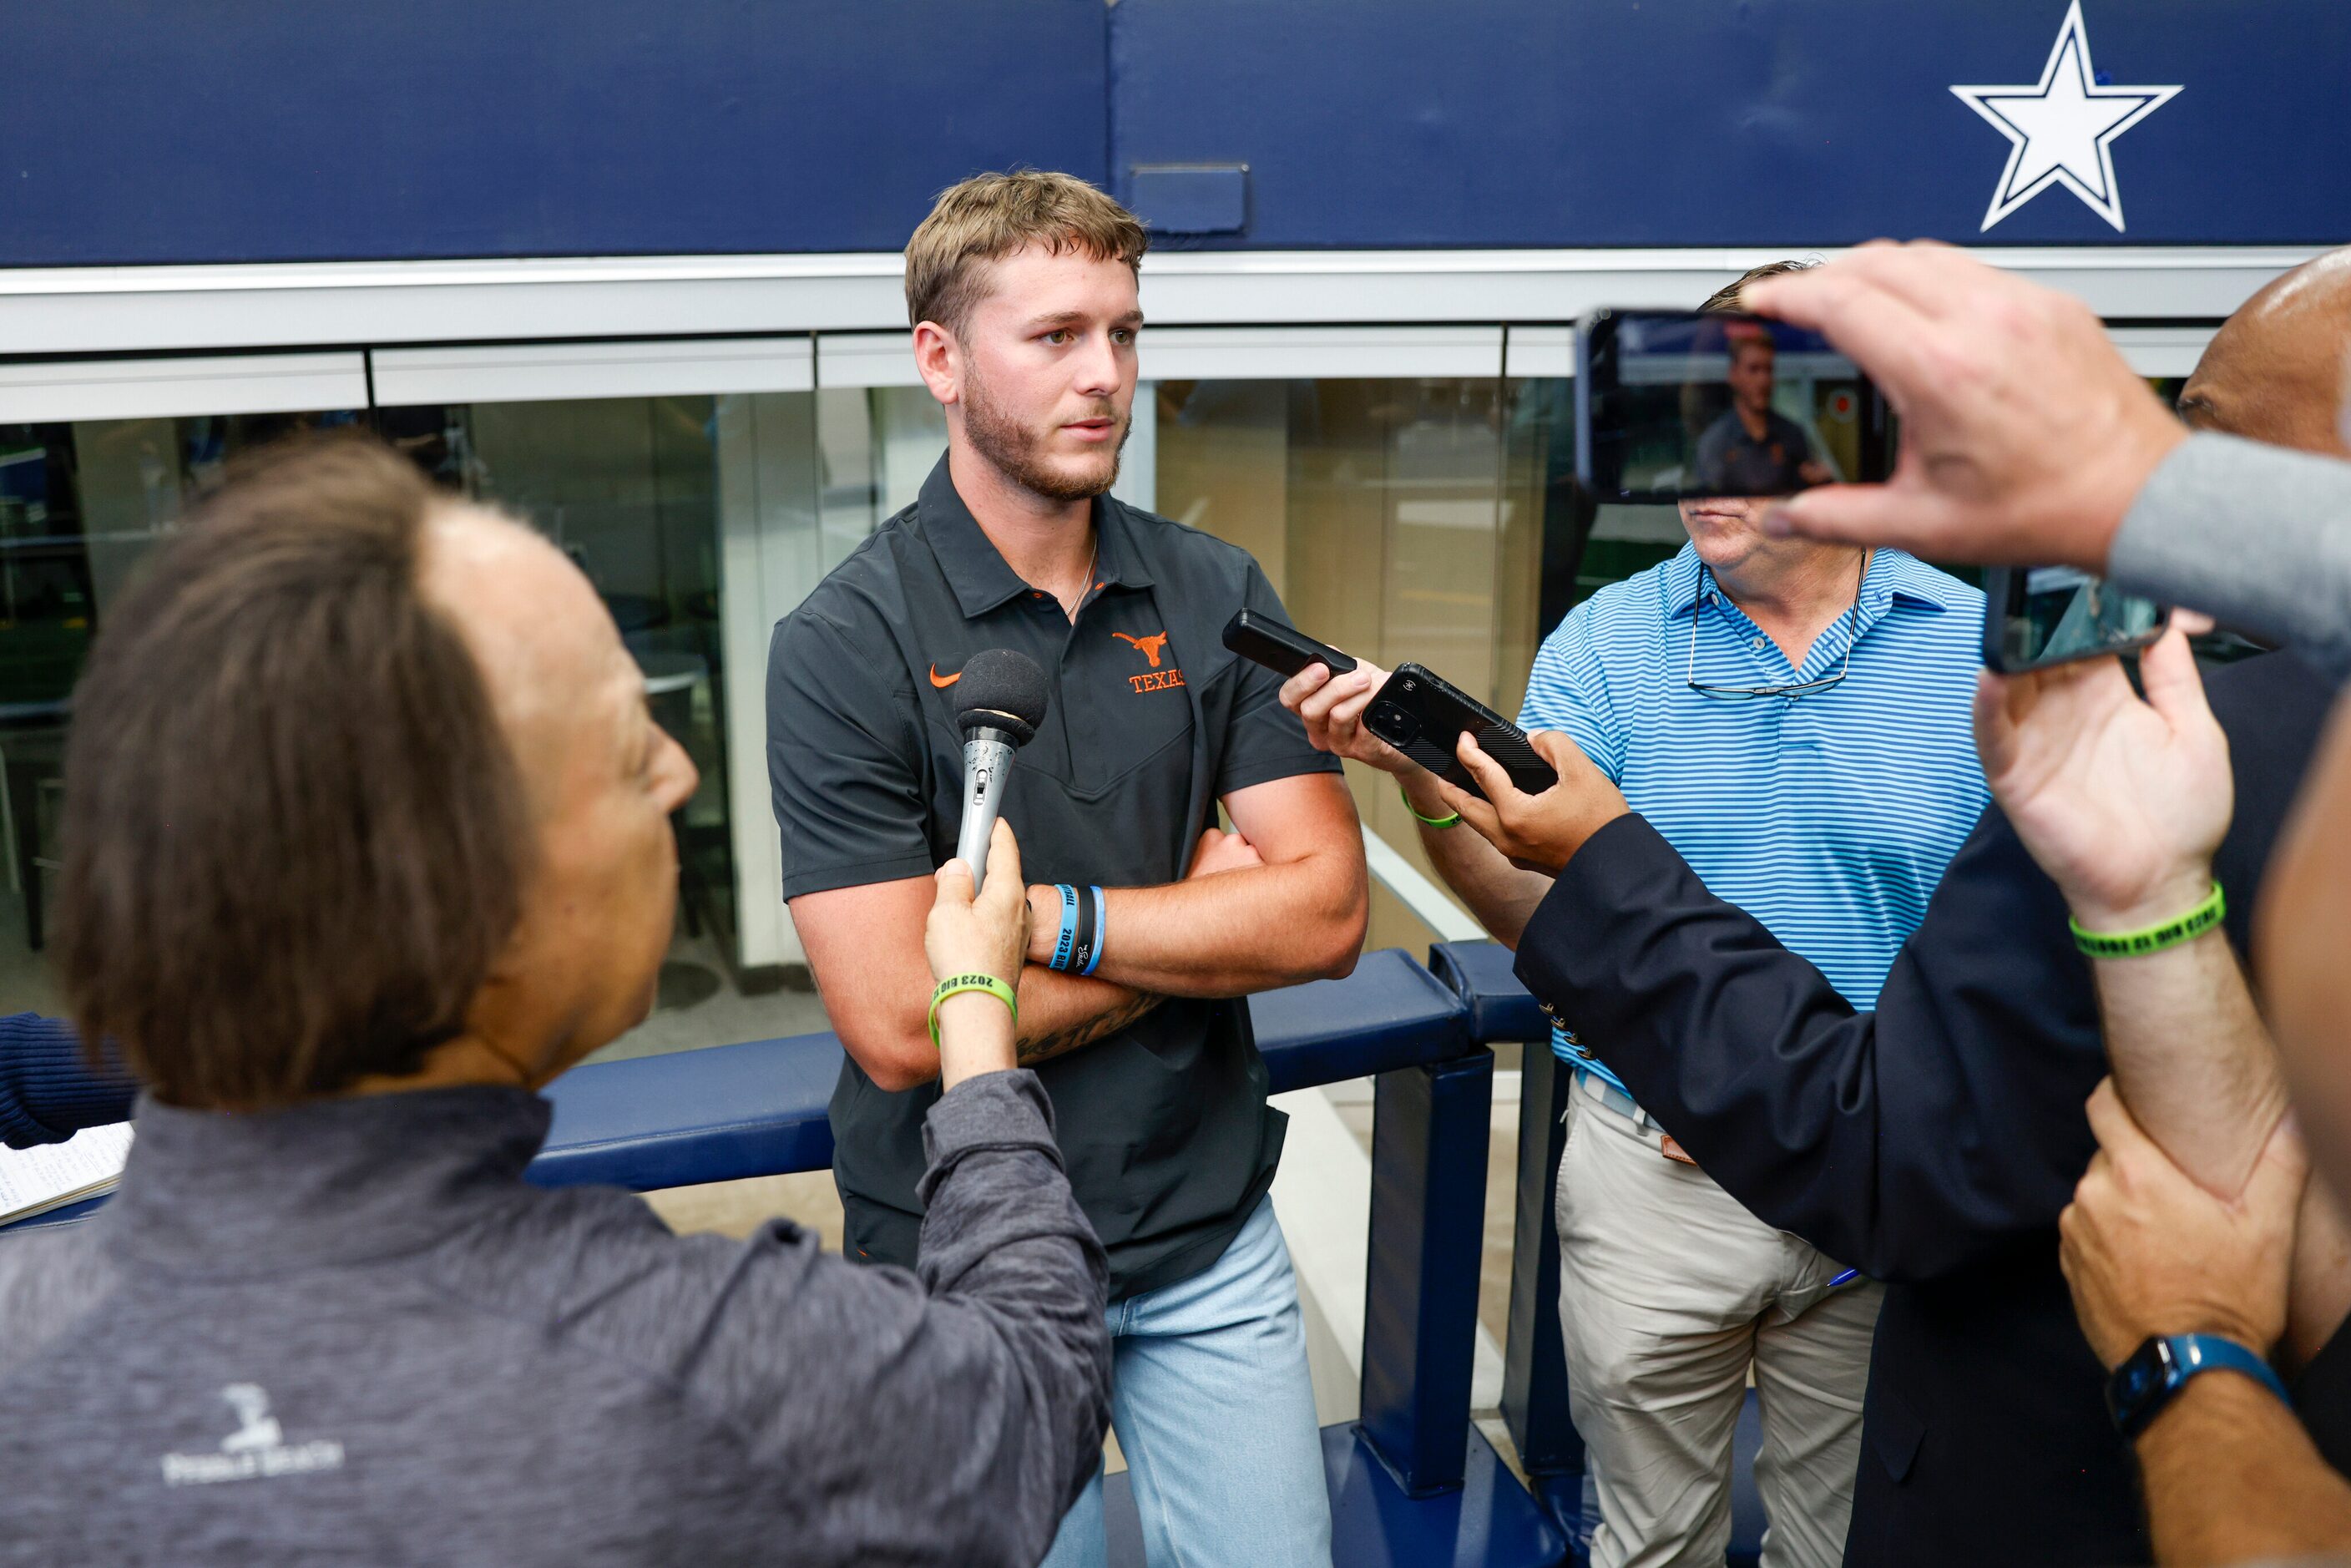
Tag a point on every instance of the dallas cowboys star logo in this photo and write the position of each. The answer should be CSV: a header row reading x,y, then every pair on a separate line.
x,y
2063,128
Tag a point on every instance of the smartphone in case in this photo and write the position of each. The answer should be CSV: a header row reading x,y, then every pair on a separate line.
x,y
1285,650
1424,717
2036,616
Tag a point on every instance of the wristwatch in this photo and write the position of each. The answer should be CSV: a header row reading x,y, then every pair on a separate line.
x,y
2155,1372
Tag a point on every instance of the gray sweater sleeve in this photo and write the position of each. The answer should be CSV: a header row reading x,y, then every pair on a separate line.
x,y
1005,1244
949,1413
2258,536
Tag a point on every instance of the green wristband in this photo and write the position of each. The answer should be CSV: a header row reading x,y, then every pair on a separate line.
x,y
2155,939
957,984
1452,820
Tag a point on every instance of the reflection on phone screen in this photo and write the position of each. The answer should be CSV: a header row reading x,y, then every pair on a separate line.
x,y
1731,405
2069,613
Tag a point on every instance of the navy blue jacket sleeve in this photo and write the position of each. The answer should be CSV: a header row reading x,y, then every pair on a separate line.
x,y
1907,1142
1916,1140
48,1090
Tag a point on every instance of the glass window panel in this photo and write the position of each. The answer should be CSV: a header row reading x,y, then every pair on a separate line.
x,y
80,503
1398,519
632,489
876,444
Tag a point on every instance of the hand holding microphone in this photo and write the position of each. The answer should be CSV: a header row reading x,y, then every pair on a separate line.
x,y
978,935
1004,698
970,939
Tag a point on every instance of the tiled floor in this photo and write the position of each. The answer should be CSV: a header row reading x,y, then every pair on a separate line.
x,y
699,1006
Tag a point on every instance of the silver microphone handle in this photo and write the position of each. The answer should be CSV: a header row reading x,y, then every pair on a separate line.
x,y
987,764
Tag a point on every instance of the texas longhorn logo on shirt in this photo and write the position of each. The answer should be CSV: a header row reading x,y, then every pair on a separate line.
x,y
1151,647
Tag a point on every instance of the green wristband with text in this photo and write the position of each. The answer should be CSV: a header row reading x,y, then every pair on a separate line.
x,y
2154,938
1452,820
957,984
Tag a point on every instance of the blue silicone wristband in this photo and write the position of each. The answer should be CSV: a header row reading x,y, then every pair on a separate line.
x,y
1069,936
1102,909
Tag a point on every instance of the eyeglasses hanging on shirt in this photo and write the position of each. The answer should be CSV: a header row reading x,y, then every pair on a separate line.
x,y
1711,592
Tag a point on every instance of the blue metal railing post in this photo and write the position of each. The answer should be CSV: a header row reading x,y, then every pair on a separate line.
x,y
1535,1363
1429,1136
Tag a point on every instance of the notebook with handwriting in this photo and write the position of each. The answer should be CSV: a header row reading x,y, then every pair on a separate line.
x,y
50,1175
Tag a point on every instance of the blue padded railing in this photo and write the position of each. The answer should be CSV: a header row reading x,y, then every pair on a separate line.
x,y
735,1111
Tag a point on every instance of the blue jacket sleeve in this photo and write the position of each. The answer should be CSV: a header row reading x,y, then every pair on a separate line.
x,y
48,1090
1908,1143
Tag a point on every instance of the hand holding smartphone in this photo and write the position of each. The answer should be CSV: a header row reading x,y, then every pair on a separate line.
x,y
1424,717
1417,712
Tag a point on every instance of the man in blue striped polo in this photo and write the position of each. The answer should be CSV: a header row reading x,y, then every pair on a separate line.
x,y
1793,718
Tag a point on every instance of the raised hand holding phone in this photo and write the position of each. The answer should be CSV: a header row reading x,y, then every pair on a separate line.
x,y
1536,832
2025,435
2122,800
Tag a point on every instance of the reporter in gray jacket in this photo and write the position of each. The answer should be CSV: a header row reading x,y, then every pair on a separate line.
x,y
2027,441
368,838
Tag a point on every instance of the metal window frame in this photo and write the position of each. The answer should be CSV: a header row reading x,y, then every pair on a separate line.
x,y
47,311
557,371
67,390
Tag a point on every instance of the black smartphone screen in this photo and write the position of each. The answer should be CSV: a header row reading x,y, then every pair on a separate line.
x,y
2042,615
1671,404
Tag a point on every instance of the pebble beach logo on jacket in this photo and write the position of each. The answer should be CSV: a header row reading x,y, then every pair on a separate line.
x,y
256,1450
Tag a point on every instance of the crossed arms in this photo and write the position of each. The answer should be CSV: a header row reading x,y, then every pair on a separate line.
x,y
1282,899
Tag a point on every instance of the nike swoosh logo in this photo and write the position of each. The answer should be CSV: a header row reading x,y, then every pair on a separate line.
x,y
943,681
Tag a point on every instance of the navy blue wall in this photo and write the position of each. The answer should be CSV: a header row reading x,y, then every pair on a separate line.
x,y
1672,122
278,130
272,130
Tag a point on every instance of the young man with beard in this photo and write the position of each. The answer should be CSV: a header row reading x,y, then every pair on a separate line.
x,y
1022,289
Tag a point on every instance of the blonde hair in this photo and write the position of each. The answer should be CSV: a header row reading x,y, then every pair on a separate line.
x,y
1726,299
989,216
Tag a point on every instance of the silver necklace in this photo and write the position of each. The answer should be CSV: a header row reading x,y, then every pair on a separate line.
x,y
1085,583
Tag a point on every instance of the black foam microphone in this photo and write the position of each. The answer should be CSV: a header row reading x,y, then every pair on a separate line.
x,y
1003,701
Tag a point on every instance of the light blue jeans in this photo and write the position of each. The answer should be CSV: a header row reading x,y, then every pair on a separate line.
x,y
1215,1413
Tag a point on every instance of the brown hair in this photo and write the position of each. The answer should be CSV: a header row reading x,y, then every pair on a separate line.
x,y
1726,297
295,836
989,216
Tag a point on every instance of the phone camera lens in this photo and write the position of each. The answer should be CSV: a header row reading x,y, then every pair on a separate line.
x,y
1392,725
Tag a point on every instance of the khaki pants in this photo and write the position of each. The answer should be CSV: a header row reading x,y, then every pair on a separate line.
x,y
1668,1292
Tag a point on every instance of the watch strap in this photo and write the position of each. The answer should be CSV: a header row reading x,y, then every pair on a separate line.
x,y
2139,1390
